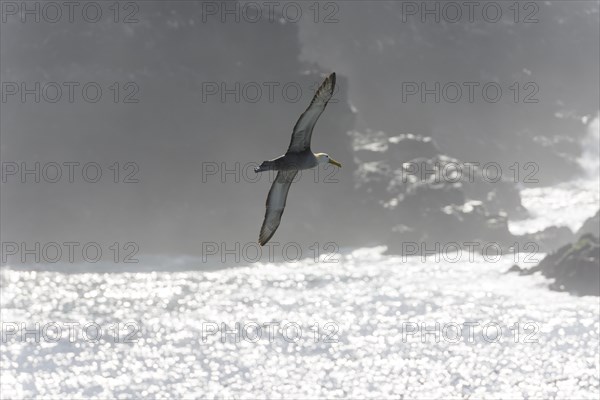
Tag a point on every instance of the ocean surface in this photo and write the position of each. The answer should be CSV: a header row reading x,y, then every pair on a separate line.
x,y
357,328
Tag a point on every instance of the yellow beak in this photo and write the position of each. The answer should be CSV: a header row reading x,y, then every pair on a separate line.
x,y
337,164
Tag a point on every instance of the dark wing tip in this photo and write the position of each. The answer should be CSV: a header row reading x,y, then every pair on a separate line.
x,y
325,91
265,235
331,78
262,240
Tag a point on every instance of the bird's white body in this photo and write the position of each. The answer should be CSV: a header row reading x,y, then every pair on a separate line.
x,y
295,161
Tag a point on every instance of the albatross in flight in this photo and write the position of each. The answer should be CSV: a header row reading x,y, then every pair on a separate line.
x,y
298,157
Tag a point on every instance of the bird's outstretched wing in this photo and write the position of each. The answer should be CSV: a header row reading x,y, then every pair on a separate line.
x,y
304,127
276,204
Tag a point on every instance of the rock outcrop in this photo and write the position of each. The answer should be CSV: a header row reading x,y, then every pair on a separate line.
x,y
575,267
427,196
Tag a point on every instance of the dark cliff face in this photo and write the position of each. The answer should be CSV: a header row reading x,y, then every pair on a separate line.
x,y
195,148
427,196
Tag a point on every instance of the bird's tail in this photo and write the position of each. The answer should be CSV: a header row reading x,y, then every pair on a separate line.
x,y
265,166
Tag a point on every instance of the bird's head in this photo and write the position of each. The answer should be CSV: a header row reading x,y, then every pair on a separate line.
x,y
323,158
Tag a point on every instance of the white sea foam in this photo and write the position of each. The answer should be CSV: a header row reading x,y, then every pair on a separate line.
x,y
567,204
